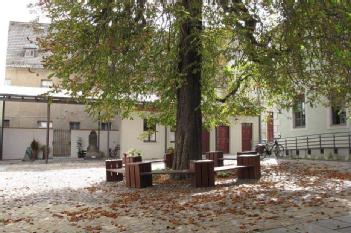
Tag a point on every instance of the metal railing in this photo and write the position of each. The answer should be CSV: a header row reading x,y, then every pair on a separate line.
x,y
335,141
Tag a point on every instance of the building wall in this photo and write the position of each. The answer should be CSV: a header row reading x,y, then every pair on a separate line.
x,y
27,115
26,77
235,136
17,140
318,121
132,129
84,135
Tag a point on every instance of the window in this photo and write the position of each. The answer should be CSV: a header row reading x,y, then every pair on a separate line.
x,y
106,125
74,125
299,114
338,115
46,83
151,131
29,52
43,124
6,124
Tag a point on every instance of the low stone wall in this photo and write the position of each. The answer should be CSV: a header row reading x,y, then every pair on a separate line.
x,y
315,154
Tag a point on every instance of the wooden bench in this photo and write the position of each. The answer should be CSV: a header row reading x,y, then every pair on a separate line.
x,y
216,156
111,174
139,175
249,152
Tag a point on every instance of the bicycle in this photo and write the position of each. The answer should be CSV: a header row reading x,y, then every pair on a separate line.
x,y
113,153
266,150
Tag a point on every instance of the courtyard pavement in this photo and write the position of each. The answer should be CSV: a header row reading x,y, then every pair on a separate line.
x,y
72,196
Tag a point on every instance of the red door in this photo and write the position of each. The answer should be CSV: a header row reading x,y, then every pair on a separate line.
x,y
246,136
270,134
222,138
205,141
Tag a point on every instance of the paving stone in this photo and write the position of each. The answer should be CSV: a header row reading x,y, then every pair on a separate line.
x,y
310,228
332,224
280,230
346,218
344,230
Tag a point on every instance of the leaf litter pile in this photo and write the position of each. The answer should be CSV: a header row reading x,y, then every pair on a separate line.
x,y
287,193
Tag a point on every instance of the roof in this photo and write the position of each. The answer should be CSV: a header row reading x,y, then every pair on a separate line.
x,y
34,94
22,36
40,94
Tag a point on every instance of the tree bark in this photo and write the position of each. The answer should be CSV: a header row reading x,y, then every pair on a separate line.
x,y
189,116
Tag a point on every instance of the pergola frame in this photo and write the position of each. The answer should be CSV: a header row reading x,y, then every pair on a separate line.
x,y
38,99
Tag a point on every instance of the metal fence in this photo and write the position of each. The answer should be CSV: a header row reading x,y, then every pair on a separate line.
x,y
335,141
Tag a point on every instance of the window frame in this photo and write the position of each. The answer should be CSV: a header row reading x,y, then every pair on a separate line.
x,y
106,125
147,128
71,123
299,113
44,127
337,115
46,80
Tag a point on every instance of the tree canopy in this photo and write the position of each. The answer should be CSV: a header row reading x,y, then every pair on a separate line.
x,y
123,51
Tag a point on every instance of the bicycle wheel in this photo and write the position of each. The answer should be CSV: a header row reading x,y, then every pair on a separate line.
x,y
278,150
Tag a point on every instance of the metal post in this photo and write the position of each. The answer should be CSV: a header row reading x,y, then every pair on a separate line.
x,y
335,150
165,139
98,139
47,132
320,143
2,128
308,148
108,138
349,143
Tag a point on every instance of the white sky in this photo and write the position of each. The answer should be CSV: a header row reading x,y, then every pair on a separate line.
x,y
12,10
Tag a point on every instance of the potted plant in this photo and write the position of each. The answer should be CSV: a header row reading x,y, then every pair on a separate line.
x,y
132,156
34,145
45,151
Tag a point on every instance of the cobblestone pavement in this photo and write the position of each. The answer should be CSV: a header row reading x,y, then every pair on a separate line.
x,y
72,196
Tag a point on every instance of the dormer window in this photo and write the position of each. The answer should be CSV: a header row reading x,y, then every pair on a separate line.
x,y
29,53
30,50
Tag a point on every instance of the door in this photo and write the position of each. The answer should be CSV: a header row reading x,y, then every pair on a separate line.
x,y
61,142
222,138
205,141
246,136
270,134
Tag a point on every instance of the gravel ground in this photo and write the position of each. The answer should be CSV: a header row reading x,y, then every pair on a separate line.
x,y
72,196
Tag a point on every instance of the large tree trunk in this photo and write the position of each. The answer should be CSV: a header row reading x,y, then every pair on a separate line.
x,y
189,116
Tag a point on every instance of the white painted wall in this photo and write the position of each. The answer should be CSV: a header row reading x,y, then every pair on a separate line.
x,y
318,121
235,135
84,134
16,141
130,139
